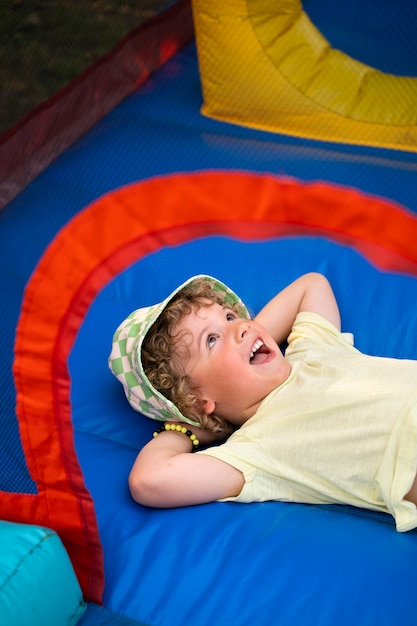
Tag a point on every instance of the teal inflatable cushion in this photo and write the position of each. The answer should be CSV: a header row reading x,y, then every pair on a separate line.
x,y
38,586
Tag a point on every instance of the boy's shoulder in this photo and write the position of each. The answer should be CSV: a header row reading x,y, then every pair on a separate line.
x,y
311,329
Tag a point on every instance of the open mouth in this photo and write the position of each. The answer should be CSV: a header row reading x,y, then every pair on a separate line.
x,y
259,353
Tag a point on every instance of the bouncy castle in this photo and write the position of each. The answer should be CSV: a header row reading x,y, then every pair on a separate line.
x,y
254,141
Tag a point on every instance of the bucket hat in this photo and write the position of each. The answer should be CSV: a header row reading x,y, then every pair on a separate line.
x,y
125,358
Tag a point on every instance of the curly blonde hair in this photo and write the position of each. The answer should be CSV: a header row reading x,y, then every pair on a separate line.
x,y
161,348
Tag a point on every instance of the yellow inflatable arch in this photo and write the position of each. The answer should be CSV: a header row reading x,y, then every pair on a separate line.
x,y
264,64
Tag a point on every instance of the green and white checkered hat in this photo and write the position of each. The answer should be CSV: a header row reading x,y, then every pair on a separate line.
x,y
125,358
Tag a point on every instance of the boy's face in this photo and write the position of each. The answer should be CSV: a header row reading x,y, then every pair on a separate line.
x,y
234,362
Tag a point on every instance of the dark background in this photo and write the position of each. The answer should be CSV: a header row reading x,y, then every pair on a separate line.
x,y
44,44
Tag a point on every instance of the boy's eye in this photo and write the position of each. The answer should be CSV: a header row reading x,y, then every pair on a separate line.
x,y
230,317
211,340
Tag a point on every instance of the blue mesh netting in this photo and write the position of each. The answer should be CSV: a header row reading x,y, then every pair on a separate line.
x,y
14,475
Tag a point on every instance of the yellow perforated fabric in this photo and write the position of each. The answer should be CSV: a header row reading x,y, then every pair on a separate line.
x,y
264,64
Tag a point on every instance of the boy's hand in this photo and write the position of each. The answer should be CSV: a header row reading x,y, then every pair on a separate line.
x,y
205,437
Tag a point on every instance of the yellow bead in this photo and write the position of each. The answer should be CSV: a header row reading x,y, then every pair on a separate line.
x,y
178,428
183,430
192,437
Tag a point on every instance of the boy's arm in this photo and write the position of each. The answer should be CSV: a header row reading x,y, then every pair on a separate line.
x,y
311,292
166,475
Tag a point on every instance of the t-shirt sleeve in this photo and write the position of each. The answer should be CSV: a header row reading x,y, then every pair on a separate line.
x,y
313,333
249,470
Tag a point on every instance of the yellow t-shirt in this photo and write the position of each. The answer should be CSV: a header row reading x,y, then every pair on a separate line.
x,y
341,429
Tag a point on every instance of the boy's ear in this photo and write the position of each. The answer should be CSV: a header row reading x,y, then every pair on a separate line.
x,y
209,406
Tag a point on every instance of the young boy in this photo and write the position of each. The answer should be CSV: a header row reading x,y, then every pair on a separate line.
x,y
322,424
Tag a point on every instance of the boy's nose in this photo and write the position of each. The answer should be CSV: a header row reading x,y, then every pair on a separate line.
x,y
240,329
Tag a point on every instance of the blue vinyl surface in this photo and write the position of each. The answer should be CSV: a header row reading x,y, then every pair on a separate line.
x,y
348,549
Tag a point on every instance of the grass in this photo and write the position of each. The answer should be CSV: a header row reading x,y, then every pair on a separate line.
x,y
46,43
